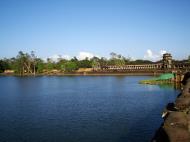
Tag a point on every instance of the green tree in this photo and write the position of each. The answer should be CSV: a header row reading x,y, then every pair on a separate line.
x,y
140,61
40,65
21,62
60,64
12,63
103,61
33,61
70,66
86,63
25,63
49,64
116,59
95,64
3,66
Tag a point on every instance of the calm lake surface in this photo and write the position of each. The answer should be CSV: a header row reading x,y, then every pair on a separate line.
x,y
81,109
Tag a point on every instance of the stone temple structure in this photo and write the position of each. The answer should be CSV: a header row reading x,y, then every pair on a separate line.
x,y
166,64
167,61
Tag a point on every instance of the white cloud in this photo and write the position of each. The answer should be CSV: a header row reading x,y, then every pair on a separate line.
x,y
67,57
162,52
84,55
80,56
132,58
150,55
56,57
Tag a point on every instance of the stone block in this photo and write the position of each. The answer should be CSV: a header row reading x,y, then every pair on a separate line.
x,y
182,103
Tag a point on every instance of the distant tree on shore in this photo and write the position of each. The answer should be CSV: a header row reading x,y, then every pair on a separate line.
x,y
70,66
39,65
116,59
95,63
3,65
25,63
140,61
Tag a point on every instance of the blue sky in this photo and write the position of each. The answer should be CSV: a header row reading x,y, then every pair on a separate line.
x,y
97,27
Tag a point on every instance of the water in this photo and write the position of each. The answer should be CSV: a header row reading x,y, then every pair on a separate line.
x,y
81,109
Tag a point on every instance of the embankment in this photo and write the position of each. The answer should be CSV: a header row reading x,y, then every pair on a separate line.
x,y
92,73
176,125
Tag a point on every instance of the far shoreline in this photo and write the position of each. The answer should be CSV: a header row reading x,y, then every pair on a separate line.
x,y
86,74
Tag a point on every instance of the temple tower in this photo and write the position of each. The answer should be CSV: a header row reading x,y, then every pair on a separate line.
x,y
167,61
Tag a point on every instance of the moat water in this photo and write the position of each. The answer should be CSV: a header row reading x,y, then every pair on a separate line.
x,y
81,108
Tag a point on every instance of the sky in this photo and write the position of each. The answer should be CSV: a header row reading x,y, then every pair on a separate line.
x,y
140,29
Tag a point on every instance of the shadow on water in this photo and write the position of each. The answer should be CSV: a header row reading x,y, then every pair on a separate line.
x,y
176,86
160,136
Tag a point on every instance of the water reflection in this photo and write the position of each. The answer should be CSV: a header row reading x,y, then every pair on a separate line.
x,y
176,86
86,109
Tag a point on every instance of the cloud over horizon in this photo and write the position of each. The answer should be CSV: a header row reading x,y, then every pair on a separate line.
x,y
56,57
150,55
81,56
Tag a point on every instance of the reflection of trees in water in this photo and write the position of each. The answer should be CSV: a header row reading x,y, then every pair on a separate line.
x,y
176,86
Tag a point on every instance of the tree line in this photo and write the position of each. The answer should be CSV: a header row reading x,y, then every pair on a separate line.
x,y
29,63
